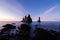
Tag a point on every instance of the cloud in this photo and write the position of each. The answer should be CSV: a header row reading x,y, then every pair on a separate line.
x,y
11,9
48,11
45,16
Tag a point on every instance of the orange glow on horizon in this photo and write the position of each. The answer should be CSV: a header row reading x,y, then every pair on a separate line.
x,y
12,19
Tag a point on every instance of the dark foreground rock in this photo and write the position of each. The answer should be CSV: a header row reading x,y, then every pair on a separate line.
x,y
23,33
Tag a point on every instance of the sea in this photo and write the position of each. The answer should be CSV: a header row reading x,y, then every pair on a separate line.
x,y
48,25
7,22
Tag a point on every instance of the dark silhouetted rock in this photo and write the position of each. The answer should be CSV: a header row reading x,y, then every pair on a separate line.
x,y
25,27
41,34
39,20
9,26
27,19
5,32
24,32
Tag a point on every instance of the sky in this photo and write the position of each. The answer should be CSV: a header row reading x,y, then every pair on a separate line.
x,y
15,10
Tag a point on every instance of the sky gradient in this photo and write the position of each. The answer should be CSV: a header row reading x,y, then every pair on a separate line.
x,y
48,10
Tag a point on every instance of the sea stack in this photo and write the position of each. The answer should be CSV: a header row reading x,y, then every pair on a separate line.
x,y
39,20
27,19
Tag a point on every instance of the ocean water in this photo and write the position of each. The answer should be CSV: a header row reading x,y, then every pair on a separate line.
x,y
6,22
46,25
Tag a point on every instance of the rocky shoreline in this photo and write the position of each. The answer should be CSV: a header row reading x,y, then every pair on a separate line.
x,y
25,32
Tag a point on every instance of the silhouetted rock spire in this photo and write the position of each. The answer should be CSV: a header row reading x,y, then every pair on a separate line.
x,y
39,20
27,19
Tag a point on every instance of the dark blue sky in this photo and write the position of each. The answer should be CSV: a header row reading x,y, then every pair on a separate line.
x,y
48,10
36,6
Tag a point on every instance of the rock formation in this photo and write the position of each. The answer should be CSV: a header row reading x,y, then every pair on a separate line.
x,y
27,19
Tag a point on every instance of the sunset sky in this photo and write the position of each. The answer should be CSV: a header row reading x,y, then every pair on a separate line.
x,y
15,10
